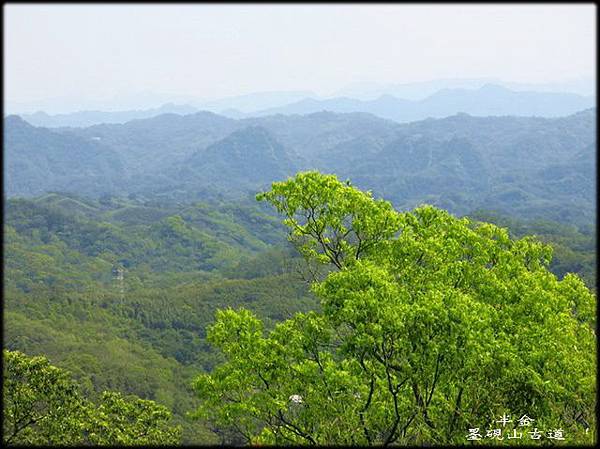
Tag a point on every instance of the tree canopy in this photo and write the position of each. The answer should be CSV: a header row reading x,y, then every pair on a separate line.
x,y
43,406
431,325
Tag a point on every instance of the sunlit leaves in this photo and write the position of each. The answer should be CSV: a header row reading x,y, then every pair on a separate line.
x,y
41,403
441,323
329,220
43,406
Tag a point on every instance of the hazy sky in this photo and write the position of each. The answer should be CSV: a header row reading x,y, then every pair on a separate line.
x,y
99,51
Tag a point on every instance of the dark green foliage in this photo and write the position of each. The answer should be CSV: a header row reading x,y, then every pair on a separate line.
x,y
181,238
250,156
530,167
41,403
38,160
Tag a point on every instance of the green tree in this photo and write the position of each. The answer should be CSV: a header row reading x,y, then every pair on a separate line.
x,y
43,406
331,221
431,325
41,403
122,421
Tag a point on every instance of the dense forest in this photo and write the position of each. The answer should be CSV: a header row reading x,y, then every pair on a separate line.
x,y
122,292
128,246
143,334
526,167
428,324
300,225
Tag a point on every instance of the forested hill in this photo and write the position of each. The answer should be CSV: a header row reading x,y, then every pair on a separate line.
x,y
37,159
524,166
122,241
144,332
141,332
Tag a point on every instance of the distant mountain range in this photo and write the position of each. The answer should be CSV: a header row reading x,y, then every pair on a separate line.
x,y
524,166
38,159
253,102
89,118
488,100
422,89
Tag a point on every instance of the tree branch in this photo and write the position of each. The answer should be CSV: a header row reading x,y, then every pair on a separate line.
x,y
296,429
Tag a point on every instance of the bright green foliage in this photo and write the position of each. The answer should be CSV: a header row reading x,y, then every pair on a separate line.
x,y
574,248
62,300
331,221
43,406
131,422
442,325
41,403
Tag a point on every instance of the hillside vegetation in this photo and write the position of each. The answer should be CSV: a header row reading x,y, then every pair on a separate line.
x,y
527,167
146,334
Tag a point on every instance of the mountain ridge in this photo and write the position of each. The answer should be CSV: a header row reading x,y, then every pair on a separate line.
x,y
488,99
460,162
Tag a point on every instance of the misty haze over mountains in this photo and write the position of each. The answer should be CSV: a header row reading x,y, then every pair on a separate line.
x,y
467,146
89,118
525,166
489,100
306,225
420,90
400,102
